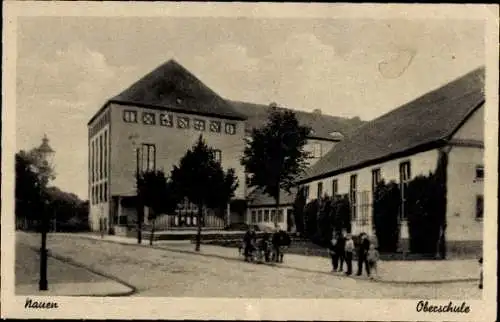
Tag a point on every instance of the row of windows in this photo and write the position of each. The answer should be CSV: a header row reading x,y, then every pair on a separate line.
x,y
98,157
99,193
146,157
267,216
182,122
363,202
100,123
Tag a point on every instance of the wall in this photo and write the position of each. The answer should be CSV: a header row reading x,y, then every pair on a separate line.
x,y
171,144
473,129
421,163
98,170
463,186
323,145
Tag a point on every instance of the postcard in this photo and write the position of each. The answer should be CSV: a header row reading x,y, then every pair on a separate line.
x,y
250,161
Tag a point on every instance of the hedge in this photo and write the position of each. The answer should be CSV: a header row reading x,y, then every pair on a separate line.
x,y
386,217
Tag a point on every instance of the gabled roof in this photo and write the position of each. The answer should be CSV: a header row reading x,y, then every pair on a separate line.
x,y
325,127
172,87
430,119
257,198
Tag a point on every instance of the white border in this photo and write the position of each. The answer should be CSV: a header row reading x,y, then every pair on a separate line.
x,y
255,309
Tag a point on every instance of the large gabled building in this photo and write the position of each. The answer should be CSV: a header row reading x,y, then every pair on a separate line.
x,y
152,124
406,142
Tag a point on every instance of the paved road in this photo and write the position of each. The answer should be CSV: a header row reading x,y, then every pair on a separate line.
x,y
157,272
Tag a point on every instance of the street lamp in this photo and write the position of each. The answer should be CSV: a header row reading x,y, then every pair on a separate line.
x,y
45,154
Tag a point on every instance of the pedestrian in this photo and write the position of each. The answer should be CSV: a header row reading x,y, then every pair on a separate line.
x,y
285,242
363,248
373,258
249,240
276,241
341,250
264,248
349,250
481,273
333,253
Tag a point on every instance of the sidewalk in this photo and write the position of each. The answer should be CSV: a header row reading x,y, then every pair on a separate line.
x,y
64,278
396,272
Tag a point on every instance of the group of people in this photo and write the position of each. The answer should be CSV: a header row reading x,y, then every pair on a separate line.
x,y
268,248
342,249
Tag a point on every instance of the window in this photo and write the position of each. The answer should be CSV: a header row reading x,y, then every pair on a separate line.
x,y
404,180
105,192
130,116
376,176
479,173
92,152
215,126
259,216
166,120
335,187
254,217
479,207
199,125
273,215
105,154
280,216
100,157
147,157
183,123
92,195
266,215
230,128
320,190
217,155
317,151
148,118
352,196
306,192
364,208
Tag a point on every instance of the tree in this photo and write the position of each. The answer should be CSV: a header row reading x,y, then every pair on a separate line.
x,y
274,156
156,193
201,179
28,189
386,218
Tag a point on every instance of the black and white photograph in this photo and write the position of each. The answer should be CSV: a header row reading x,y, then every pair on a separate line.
x,y
250,157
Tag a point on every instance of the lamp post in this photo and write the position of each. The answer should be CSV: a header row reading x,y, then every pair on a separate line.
x,y
45,154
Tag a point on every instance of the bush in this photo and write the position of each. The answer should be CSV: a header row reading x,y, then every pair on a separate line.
x,y
311,218
341,214
299,205
386,215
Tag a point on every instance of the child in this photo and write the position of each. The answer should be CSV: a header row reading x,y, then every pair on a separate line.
x,y
373,257
333,253
349,249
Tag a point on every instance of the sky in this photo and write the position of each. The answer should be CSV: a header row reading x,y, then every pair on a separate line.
x,y
67,67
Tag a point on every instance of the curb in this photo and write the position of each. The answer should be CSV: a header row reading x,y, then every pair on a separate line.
x,y
69,261
394,282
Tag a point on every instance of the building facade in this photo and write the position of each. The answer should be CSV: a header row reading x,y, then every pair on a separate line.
x,y
153,123
406,143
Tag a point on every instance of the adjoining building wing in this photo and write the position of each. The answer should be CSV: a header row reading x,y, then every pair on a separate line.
x,y
430,119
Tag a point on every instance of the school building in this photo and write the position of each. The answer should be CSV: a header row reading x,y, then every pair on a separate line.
x,y
152,124
405,143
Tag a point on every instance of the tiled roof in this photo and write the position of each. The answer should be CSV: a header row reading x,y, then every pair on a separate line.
x,y
324,126
258,198
431,118
173,87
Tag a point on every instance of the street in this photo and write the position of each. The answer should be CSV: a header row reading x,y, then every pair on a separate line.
x,y
163,273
